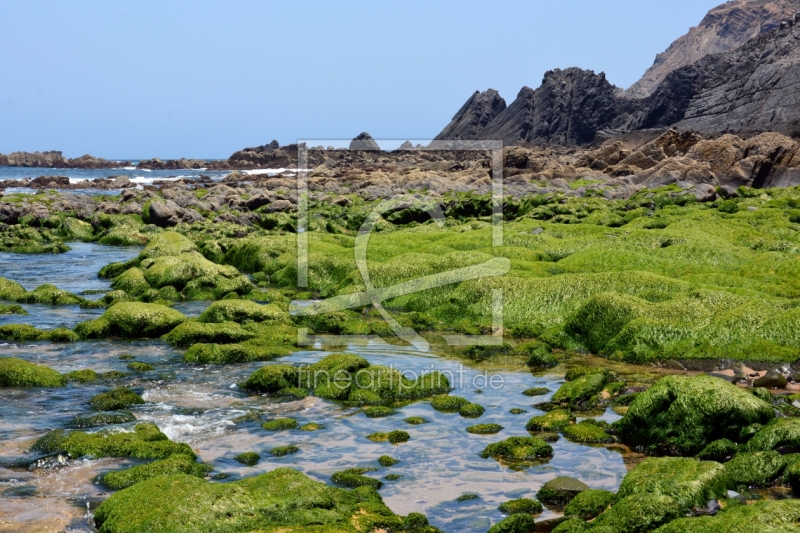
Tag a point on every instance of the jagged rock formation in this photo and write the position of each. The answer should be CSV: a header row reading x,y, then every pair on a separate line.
x,y
724,28
474,116
171,164
54,159
749,90
364,141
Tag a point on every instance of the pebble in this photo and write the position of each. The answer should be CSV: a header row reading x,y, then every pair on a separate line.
x,y
771,380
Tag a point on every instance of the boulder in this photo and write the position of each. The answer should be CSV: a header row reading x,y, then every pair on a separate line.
x,y
364,141
561,490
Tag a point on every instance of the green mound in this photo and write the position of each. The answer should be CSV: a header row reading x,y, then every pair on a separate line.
x,y
765,516
191,332
102,419
281,500
281,451
241,311
394,437
583,391
353,477
144,442
561,490
590,503
587,432
638,513
379,412
471,410
536,391
115,399
15,372
755,468
25,332
779,432
555,420
248,458
485,429
387,461
175,464
521,506
448,404
680,415
280,424
516,523
132,320
518,449
81,376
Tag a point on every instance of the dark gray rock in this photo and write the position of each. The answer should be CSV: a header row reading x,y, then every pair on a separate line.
x,y
473,117
165,214
771,380
364,141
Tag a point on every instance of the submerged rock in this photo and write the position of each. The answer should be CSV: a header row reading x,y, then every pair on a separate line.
x,y
174,464
638,513
519,449
590,503
561,490
115,399
132,320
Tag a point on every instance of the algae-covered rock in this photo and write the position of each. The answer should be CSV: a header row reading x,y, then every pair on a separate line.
x,y
12,310
387,461
272,378
51,295
311,426
132,320
573,525
379,412
81,376
174,464
561,490
364,397
720,450
555,420
779,432
26,332
587,432
518,449
792,476
15,372
469,496
521,506
415,420
139,366
590,503
242,311
762,393
354,477
485,429
681,415
755,468
233,353
102,419
192,332
448,404
144,442
394,437
539,354
638,513
131,282
115,399
281,451
166,244
10,290
583,391
516,523
248,458
764,516
536,391
280,424
689,481
471,410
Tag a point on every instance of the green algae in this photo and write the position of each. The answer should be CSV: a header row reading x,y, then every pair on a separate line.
x,y
15,372
233,353
779,432
516,523
387,461
536,391
132,320
311,426
192,332
555,420
280,424
12,310
144,442
138,366
681,415
271,379
764,516
102,419
518,449
281,451
720,450
638,513
379,412
469,496
174,464
485,429
394,437
582,391
115,399
81,376
242,311
560,490
248,458
448,404
26,332
521,506
755,469
590,503
471,410
587,432
415,420
354,477
517,411
392,477
689,481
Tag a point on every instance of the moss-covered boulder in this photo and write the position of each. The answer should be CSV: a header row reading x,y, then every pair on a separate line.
x,y
485,429
15,372
26,332
272,379
582,391
521,506
50,295
779,432
12,310
354,477
379,411
536,391
554,420
448,404
792,476
518,449
539,354
248,458
242,311
279,424
145,441
168,243
764,516
689,481
192,332
590,503
755,469
471,410
516,523
102,419
174,464
720,451
115,399
132,320
681,415
81,376
10,290
393,437
131,282
246,352
561,490
638,513
587,432
387,461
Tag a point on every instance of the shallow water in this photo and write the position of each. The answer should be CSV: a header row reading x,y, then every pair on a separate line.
x,y
203,406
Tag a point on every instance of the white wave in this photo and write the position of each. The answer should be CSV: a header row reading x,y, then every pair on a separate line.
x,y
128,168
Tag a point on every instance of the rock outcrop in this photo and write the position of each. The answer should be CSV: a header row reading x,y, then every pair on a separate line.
x,y
724,28
473,117
54,159
364,141
172,164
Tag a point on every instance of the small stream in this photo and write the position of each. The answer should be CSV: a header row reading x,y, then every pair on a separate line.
x,y
203,406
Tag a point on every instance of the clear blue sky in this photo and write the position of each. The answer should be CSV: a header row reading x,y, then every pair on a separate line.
x,y
203,79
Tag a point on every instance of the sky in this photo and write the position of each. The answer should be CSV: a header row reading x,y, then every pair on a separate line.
x,y
203,79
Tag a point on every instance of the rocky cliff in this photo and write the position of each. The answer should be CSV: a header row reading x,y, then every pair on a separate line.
x,y
55,159
724,28
748,90
474,116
